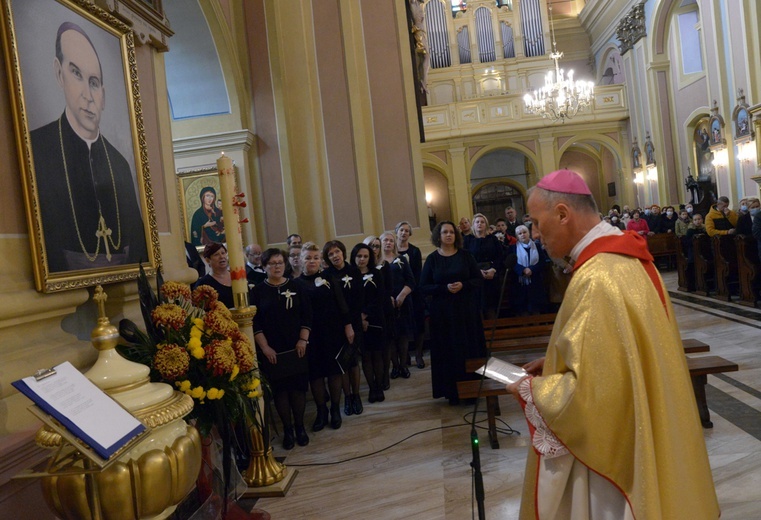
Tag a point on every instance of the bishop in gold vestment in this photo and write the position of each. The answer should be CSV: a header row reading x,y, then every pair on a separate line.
x,y
615,430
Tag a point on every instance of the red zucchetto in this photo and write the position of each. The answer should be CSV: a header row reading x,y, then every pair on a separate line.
x,y
564,181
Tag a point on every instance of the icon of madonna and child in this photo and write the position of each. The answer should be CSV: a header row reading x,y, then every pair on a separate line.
x,y
207,224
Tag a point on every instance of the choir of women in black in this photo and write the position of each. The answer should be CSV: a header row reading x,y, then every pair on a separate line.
x,y
452,277
281,331
350,281
331,330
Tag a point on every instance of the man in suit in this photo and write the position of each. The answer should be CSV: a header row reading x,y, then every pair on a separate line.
x,y
511,217
254,271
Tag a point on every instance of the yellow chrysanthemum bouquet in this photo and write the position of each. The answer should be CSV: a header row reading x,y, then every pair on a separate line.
x,y
192,342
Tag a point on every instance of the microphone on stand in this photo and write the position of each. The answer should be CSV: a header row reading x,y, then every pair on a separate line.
x,y
475,464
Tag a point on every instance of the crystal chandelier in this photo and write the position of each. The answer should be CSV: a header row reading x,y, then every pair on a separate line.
x,y
561,97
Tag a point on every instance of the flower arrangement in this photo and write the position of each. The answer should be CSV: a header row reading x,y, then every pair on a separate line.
x,y
192,343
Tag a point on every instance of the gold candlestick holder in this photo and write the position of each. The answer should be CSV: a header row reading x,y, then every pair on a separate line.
x,y
265,476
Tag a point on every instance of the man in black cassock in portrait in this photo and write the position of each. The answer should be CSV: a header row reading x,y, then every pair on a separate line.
x,y
89,209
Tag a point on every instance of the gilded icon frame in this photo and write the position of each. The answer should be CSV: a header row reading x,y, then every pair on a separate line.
x,y
39,91
189,186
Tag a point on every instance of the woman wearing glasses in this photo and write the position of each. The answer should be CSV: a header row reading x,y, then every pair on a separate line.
x,y
281,331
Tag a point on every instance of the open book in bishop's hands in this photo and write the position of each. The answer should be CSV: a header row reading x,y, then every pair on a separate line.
x,y
502,371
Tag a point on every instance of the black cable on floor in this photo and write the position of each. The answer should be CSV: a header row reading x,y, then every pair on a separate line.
x,y
358,457
508,431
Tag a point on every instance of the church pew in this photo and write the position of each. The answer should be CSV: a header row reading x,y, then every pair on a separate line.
x,y
684,268
518,327
663,245
704,271
748,270
690,346
699,368
725,264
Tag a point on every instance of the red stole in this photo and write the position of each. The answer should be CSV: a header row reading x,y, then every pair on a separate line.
x,y
629,244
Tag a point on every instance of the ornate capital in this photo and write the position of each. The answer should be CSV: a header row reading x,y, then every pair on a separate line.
x,y
631,28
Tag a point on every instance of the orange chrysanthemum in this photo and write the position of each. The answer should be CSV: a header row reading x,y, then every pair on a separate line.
x,y
172,362
220,357
174,291
169,315
244,353
222,309
219,323
204,296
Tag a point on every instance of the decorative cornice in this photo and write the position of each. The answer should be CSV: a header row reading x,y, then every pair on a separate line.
x,y
147,20
234,140
631,28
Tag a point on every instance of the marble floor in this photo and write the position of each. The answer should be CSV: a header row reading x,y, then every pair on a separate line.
x,y
409,457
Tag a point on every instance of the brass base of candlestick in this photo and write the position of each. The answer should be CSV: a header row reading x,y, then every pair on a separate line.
x,y
243,314
263,470
276,490
241,301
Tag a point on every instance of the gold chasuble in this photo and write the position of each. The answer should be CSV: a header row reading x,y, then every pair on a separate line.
x,y
616,391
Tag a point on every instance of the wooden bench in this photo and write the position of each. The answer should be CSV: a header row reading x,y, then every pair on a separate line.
x,y
691,346
694,346
663,245
748,270
699,368
685,269
491,390
505,334
703,266
725,264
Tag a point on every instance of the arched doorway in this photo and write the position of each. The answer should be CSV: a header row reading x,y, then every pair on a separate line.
x,y
491,199
492,191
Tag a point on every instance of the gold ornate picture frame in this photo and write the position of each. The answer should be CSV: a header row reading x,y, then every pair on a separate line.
x,y
201,223
82,153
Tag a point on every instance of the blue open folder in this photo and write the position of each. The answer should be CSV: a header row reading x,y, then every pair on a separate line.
x,y
82,408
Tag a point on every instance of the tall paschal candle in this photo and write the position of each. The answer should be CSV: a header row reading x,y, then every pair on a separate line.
x,y
232,230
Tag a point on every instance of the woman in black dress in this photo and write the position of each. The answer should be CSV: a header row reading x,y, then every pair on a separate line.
x,y
452,277
402,284
413,255
490,255
350,281
281,331
219,277
331,329
373,319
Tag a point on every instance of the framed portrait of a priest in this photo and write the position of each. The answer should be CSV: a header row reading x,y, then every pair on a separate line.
x,y
81,144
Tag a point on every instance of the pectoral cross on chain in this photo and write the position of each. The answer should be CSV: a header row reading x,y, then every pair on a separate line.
x,y
104,233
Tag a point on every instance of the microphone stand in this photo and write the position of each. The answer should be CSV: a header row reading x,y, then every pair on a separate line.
x,y
478,478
